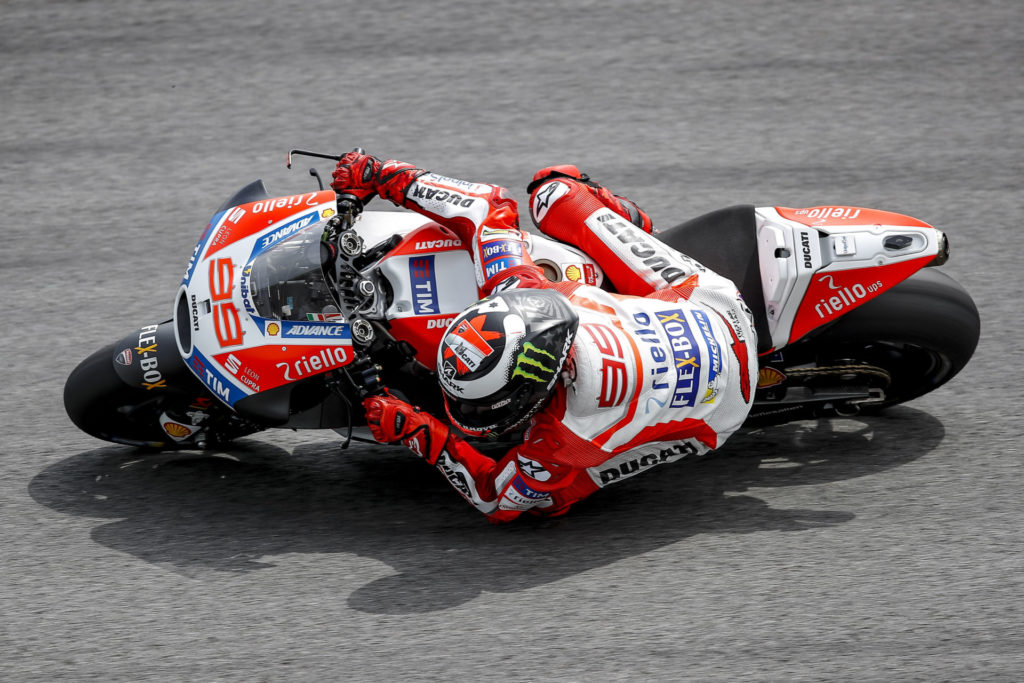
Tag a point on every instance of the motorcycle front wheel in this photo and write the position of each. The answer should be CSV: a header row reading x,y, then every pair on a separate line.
x,y
102,405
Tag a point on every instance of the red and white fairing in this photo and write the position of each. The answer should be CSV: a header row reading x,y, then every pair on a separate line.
x,y
431,274
817,263
232,346
237,350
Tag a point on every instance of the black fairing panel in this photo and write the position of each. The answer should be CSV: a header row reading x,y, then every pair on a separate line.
x,y
726,242
271,408
253,192
148,358
279,406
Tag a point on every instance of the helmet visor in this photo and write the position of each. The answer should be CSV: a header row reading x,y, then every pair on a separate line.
x,y
499,418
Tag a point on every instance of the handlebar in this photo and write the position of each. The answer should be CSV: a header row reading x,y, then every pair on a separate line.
x,y
348,203
302,152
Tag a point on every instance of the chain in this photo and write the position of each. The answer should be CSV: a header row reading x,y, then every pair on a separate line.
x,y
840,370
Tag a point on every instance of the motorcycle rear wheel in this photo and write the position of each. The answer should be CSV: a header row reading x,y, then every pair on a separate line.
x,y
922,332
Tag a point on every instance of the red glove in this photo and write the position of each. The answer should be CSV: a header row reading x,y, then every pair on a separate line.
x,y
356,174
391,420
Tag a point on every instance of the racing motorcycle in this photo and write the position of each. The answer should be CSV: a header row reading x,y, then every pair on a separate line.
x,y
292,309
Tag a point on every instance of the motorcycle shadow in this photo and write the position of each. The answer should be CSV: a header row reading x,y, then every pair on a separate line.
x,y
235,511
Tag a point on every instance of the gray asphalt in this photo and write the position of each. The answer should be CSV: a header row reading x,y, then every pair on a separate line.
x,y
876,549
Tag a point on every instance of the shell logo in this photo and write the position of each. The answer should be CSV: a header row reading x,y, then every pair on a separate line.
x,y
769,377
176,430
573,273
273,329
327,213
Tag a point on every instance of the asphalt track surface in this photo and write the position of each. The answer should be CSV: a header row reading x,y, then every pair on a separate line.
x,y
877,549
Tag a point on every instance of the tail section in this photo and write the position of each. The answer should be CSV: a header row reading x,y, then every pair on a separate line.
x,y
818,263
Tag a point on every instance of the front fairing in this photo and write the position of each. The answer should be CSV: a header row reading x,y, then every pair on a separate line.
x,y
254,310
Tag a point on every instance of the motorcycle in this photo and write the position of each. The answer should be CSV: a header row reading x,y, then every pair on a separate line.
x,y
292,309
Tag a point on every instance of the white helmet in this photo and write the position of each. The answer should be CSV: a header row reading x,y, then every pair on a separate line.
x,y
498,362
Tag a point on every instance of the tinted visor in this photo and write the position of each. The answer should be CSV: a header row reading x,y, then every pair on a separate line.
x,y
489,419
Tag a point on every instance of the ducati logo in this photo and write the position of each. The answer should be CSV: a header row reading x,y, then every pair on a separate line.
x,y
467,344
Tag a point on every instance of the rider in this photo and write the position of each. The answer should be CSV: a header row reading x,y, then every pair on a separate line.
x,y
605,385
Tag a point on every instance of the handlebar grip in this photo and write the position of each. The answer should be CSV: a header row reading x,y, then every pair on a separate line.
x,y
354,201
372,382
365,375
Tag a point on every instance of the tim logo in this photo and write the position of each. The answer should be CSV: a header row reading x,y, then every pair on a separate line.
x,y
424,286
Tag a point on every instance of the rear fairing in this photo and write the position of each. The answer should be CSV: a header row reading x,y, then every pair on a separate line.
x,y
818,263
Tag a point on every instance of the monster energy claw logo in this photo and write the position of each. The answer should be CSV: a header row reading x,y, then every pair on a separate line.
x,y
531,363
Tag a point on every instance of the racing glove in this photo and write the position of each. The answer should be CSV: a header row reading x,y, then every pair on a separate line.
x,y
355,174
392,420
362,175
617,203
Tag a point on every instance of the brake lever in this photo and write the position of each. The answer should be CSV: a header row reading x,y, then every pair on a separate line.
x,y
364,376
302,152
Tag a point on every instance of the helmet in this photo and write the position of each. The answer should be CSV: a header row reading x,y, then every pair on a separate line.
x,y
499,360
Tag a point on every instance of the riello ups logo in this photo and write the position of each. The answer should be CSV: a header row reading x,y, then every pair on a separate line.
x,y
843,296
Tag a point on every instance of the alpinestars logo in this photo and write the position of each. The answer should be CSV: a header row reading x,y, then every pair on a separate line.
x,y
532,469
545,197
532,364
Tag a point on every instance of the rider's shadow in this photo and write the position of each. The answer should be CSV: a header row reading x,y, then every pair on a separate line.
x,y
235,512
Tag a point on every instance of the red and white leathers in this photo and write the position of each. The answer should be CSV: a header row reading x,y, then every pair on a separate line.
x,y
665,369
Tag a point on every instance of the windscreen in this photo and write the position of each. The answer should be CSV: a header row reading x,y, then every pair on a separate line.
x,y
286,279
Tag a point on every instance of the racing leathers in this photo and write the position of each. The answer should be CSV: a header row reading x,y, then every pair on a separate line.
x,y
661,370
